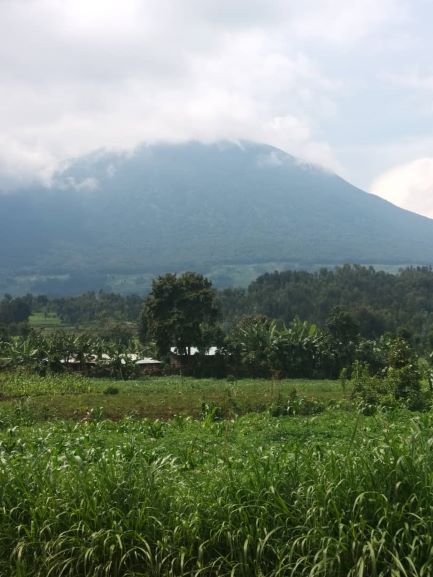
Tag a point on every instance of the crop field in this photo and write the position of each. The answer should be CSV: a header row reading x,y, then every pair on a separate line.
x,y
217,493
73,396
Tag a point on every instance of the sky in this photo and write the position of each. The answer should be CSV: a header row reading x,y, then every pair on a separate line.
x,y
345,84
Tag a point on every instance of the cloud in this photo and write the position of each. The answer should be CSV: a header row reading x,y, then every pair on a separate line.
x,y
345,23
70,183
22,164
412,80
408,185
78,75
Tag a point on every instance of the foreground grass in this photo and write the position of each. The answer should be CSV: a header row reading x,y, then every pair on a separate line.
x,y
337,495
73,397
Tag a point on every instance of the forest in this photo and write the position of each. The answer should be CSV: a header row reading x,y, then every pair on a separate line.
x,y
378,302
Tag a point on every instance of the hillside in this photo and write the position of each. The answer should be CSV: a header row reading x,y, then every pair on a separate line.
x,y
215,208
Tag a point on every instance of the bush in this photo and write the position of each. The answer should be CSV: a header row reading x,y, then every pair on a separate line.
x,y
369,392
404,381
394,387
111,391
420,401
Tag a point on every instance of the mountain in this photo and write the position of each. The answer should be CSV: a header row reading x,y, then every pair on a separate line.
x,y
116,219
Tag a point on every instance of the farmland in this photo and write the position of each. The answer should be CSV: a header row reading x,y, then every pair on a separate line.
x,y
173,476
114,467
73,396
47,320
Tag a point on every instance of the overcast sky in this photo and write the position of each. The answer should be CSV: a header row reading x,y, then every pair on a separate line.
x,y
344,83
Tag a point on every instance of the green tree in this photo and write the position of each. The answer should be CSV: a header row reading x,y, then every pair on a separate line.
x,y
250,343
343,336
14,315
180,312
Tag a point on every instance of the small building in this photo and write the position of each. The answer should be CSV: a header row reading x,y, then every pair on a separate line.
x,y
210,352
205,362
144,365
147,365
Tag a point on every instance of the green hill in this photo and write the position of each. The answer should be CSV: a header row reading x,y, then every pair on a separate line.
x,y
220,209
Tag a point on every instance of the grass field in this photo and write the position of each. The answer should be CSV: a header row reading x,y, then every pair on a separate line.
x,y
49,323
42,320
336,494
73,396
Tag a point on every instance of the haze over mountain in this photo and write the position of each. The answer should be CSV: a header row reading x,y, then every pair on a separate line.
x,y
209,207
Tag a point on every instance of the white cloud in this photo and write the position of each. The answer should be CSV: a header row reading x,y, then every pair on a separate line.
x,y
22,163
78,75
345,23
413,80
408,185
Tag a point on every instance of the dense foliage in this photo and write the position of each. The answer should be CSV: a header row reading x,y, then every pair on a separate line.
x,y
347,315
48,354
336,495
88,307
14,314
180,312
378,302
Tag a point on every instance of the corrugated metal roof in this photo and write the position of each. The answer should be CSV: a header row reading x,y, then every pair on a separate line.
x,y
210,352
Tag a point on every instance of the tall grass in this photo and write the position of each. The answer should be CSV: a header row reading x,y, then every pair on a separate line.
x,y
335,496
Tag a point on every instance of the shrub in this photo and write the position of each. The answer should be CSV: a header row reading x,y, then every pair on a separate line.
x,y
394,387
111,390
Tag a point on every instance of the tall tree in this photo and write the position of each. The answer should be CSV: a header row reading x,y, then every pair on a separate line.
x,y
180,312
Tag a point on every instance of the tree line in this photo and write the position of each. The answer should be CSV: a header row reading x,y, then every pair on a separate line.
x,y
180,318
366,304
377,301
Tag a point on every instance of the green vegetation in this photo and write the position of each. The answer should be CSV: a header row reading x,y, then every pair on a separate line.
x,y
378,302
39,320
103,314
19,384
180,312
171,476
338,494
73,396
14,314
194,207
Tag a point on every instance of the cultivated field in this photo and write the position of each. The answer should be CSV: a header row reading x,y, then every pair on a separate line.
x,y
73,396
206,492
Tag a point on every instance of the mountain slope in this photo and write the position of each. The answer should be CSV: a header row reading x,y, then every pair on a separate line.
x,y
170,207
